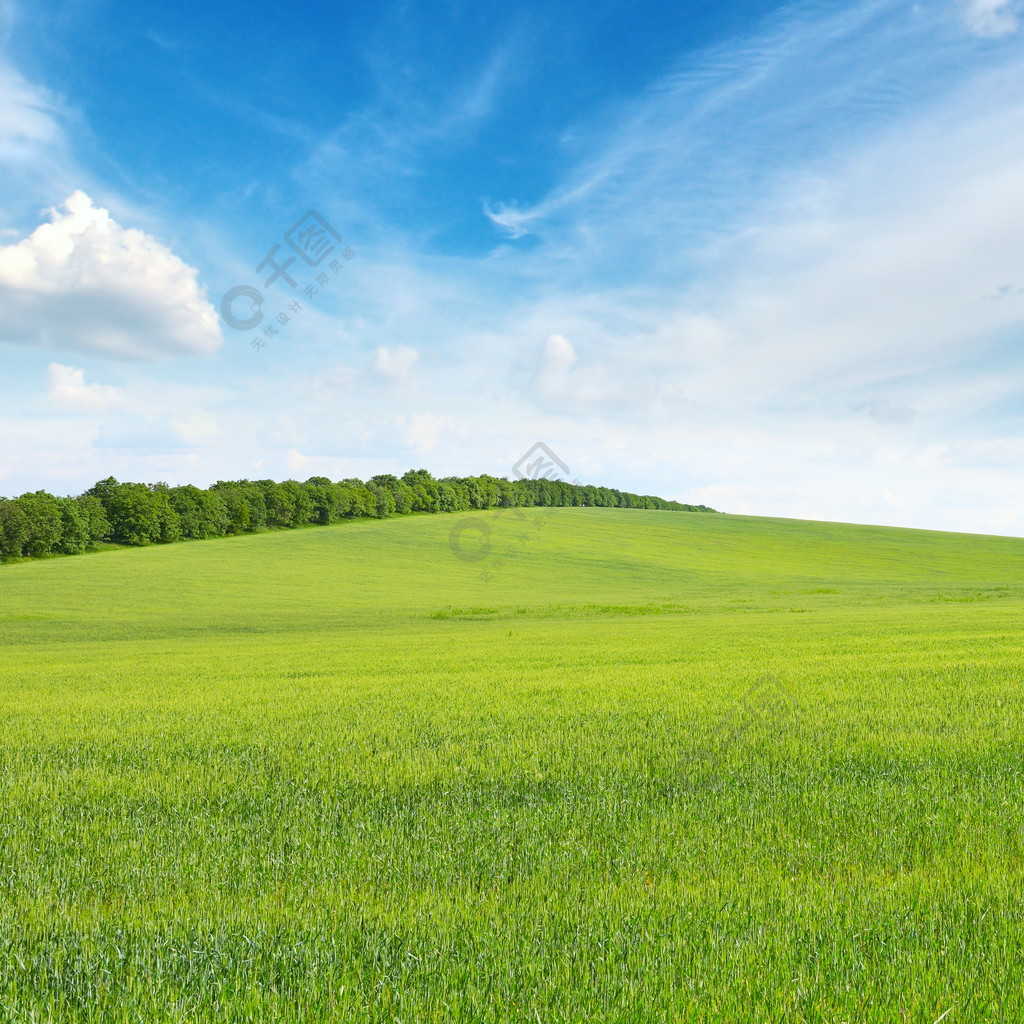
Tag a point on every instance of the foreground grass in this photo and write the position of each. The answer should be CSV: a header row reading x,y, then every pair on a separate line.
x,y
630,766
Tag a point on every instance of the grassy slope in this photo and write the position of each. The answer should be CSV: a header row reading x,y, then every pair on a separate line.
x,y
632,765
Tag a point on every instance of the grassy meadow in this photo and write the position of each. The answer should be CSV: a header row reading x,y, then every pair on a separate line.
x,y
615,765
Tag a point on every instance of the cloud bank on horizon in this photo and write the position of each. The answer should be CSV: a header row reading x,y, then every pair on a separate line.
x,y
766,257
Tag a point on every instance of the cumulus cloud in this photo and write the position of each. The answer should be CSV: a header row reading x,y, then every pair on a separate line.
x,y
68,390
395,363
552,376
991,18
387,367
558,357
606,382
83,282
784,292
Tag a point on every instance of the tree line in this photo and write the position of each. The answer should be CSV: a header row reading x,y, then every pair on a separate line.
x,y
38,524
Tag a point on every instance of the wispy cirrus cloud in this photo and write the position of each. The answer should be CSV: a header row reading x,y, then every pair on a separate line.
x,y
813,250
991,18
29,117
784,276
35,155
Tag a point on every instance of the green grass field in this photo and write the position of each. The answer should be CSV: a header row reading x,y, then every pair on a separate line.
x,y
631,766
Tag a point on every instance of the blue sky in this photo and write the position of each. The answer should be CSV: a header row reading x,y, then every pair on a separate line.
x,y
767,257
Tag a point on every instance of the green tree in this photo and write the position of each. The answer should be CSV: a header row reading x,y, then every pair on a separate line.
x,y
131,509
187,503
321,494
42,512
363,500
424,490
245,507
168,523
280,503
13,529
342,497
403,495
299,501
99,526
75,533
383,501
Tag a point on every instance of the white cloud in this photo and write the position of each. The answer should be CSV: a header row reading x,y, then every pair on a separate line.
x,y
560,382
786,280
196,426
557,358
991,18
419,432
389,366
36,162
515,223
28,117
395,363
83,282
68,390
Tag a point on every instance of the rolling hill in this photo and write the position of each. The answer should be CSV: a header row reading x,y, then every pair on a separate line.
x,y
548,764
